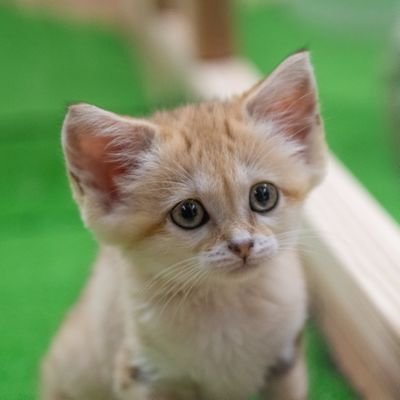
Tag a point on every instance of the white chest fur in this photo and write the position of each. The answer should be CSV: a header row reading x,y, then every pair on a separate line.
x,y
225,343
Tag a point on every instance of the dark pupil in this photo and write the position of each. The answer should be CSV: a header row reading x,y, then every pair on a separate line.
x,y
262,194
189,210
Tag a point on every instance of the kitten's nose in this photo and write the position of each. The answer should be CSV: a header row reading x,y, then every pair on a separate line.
x,y
241,248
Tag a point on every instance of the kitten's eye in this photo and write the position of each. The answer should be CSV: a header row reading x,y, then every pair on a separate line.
x,y
189,214
263,197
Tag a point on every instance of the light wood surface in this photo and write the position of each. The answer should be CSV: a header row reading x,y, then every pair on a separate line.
x,y
212,23
352,258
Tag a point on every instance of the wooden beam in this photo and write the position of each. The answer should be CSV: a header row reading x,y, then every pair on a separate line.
x,y
213,33
352,259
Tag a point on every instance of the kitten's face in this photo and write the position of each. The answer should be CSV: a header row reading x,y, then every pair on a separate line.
x,y
215,188
217,194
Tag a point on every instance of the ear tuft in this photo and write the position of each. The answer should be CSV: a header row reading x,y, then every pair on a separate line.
x,y
287,99
285,105
101,147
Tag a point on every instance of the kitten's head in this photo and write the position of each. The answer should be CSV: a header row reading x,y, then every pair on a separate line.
x,y
214,187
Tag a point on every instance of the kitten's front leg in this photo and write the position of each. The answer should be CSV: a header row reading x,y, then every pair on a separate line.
x,y
287,380
174,390
166,390
133,385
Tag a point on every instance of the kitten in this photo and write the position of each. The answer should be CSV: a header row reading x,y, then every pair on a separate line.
x,y
197,292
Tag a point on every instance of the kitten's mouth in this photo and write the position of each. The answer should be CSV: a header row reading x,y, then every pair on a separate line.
x,y
244,267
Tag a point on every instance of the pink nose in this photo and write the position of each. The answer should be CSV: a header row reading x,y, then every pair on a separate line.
x,y
241,248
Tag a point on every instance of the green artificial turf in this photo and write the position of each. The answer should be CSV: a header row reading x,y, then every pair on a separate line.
x,y
44,251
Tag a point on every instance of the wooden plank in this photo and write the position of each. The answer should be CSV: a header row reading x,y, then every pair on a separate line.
x,y
352,259
213,33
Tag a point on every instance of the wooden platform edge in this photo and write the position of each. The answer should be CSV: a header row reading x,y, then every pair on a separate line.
x,y
352,261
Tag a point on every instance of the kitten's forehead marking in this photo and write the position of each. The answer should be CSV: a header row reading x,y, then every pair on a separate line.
x,y
225,196
217,188
187,140
223,159
227,130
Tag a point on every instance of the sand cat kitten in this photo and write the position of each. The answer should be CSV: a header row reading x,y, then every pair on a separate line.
x,y
197,292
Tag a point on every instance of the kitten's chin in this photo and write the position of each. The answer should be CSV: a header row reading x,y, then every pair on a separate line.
x,y
240,270
245,268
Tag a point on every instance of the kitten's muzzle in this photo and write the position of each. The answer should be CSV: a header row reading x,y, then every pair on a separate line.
x,y
241,248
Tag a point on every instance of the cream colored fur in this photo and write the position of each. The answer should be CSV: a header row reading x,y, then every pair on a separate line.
x,y
173,314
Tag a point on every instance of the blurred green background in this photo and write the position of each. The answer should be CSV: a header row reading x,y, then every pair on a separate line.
x,y
47,62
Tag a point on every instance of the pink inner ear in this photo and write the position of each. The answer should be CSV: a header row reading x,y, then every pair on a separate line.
x,y
97,158
101,147
91,165
296,110
290,106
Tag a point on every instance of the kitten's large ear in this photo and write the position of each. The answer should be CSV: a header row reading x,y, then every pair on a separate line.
x,y
286,104
100,149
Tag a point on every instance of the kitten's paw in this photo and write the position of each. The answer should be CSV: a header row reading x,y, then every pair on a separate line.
x,y
288,379
175,391
132,384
